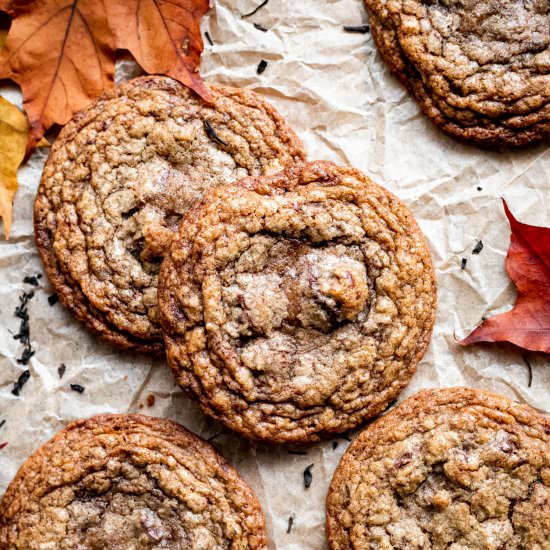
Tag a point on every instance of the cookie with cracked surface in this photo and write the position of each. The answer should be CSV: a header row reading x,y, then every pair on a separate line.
x,y
129,481
119,178
297,305
453,468
479,69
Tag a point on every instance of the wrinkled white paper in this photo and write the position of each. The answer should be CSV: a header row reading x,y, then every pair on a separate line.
x,y
336,92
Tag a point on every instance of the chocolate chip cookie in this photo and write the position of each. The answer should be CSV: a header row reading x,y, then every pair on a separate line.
x,y
454,468
129,481
119,178
479,69
297,305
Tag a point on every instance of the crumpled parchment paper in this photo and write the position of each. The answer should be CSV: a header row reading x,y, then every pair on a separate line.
x,y
336,92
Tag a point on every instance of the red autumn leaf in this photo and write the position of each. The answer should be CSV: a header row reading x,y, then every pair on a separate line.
x,y
528,263
62,52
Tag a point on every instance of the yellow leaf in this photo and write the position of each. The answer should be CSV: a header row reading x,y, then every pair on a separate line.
x,y
14,133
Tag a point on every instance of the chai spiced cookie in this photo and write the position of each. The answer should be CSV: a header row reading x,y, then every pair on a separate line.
x,y
297,305
118,180
456,469
116,482
480,70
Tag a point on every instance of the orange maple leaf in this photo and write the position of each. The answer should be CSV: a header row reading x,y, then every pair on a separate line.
x,y
164,36
528,263
62,52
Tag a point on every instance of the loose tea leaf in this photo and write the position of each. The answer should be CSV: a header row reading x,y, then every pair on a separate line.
x,y
212,133
77,388
290,524
530,371
478,247
528,263
260,27
361,29
22,312
463,263
261,66
53,299
255,10
14,133
308,476
21,381
2,445
61,370
32,279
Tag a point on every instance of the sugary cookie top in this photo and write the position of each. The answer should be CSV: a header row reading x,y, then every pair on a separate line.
x,y
129,481
118,180
479,69
297,305
456,468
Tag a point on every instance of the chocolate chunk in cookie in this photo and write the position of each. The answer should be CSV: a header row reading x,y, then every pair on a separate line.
x,y
129,481
455,468
297,305
119,178
479,69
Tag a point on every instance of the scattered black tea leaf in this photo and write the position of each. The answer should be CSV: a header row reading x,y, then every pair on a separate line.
x,y
361,29
260,27
261,66
32,279
21,381
61,370
334,445
295,452
2,445
210,41
530,370
2,423
212,133
24,335
256,9
290,524
53,299
479,188
308,476
77,388
463,263
478,247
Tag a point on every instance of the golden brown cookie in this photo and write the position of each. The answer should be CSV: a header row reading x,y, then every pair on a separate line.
x,y
297,305
119,178
456,469
115,482
480,70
